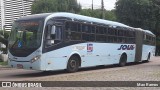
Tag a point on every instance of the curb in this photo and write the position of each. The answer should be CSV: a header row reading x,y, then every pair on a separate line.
x,y
1,66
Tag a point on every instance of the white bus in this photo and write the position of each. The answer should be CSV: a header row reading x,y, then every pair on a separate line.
x,y
57,41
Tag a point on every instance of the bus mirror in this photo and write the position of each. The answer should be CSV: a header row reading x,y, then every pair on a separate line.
x,y
53,31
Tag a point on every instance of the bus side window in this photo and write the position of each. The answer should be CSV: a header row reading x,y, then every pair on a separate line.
x,y
58,33
85,28
73,31
47,37
53,35
67,26
93,29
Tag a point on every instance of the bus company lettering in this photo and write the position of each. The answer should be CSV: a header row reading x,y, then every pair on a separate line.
x,y
76,48
126,47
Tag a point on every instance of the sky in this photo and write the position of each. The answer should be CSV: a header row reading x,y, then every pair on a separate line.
x,y
108,4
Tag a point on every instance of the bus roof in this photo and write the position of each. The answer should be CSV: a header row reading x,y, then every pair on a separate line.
x,y
79,17
34,16
147,31
86,18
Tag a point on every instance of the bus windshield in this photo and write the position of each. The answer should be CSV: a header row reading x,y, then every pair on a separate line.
x,y
26,35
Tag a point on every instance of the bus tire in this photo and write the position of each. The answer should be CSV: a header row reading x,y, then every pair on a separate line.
x,y
73,64
123,60
148,58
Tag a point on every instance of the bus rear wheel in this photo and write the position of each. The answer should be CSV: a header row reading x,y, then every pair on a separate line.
x,y
123,60
73,64
148,58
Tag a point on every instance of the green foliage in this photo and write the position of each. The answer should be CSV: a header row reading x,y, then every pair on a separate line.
x,y
1,32
109,15
89,12
47,6
3,63
4,40
6,34
138,13
4,37
158,41
141,14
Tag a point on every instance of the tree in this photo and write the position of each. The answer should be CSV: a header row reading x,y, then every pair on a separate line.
x,y
139,13
4,40
46,6
4,37
109,15
91,13
143,14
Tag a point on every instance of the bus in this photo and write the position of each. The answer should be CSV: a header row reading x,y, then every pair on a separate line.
x,y
66,41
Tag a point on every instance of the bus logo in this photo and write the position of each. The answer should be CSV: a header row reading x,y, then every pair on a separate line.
x,y
126,47
89,47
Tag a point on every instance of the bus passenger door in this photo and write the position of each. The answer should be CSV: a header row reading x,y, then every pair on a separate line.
x,y
139,43
52,42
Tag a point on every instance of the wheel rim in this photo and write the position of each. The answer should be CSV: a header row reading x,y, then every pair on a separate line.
x,y
73,64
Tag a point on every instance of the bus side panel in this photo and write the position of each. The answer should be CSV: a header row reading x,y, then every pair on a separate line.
x,y
131,54
153,51
112,54
146,50
56,63
89,56
56,59
89,61
102,54
92,54
106,54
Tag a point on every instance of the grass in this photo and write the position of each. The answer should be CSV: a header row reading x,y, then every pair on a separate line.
x,y
3,63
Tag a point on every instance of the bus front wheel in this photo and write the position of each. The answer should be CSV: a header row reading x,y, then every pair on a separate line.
x,y
123,60
73,64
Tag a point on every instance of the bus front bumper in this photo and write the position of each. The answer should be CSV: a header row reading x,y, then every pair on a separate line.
x,y
24,65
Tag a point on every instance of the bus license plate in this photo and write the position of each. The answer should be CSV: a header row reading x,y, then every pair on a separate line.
x,y
19,66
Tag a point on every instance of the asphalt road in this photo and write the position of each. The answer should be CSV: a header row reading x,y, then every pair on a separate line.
x,y
132,72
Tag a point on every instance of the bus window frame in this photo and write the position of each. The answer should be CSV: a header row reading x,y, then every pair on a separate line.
x,y
46,32
127,34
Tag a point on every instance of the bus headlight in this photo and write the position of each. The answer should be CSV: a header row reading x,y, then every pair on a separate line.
x,y
35,58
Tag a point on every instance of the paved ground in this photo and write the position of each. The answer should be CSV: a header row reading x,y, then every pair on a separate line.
x,y
132,72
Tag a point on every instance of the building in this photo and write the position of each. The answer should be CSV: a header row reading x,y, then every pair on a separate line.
x,y
11,10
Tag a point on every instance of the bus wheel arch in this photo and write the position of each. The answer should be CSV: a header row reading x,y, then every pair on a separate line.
x,y
76,59
123,60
